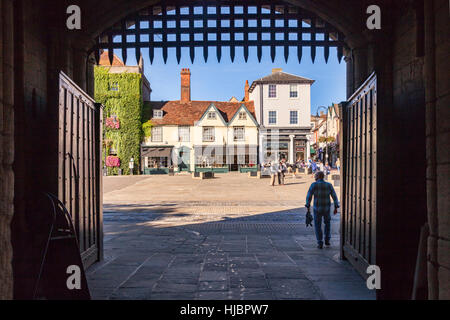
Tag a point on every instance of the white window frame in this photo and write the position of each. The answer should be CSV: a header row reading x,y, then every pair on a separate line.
x,y
211,137
212,115
154,136
268,117
290,91
241,136
184,136
242,115
158,114
290,116
268,93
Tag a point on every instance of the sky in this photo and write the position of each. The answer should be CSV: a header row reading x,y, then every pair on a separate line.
x,y
220,81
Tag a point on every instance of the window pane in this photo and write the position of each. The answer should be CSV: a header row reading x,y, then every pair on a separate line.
x,y
157,134
211,115
293,117
293,93
272,117
208,133
183,133
242,115
239,133
272,91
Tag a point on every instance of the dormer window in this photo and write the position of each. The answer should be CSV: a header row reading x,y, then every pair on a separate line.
x,y
157,114
211,115
242,115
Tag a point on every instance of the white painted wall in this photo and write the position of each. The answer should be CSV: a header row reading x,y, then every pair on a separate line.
x,y
283,104
223,135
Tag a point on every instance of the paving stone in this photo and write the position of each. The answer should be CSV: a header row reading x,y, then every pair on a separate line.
x,y
283,272
293,289
213,276
169,286
213,295
213,285
173,295
251,294
248,282
216,245
215,267
345,290
131,294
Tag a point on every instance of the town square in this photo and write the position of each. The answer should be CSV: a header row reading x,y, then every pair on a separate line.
x,y
231,237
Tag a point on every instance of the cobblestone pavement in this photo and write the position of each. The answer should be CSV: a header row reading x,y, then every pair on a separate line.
x,y
232,237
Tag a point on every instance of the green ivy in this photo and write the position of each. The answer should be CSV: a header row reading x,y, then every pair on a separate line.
x,y
147,128
126,103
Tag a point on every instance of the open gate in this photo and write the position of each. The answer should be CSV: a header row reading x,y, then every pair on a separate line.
x,y
79,166
359,176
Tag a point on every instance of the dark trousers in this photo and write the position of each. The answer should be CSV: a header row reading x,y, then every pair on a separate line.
x,y
280,178
326,216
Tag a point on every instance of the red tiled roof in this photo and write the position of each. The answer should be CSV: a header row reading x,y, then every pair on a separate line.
x,y
104,60
176,113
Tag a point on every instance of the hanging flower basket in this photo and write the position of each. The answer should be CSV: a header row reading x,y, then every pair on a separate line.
x,y
112,161
112,123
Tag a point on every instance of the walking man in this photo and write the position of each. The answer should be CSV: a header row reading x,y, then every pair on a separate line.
x,y
322,191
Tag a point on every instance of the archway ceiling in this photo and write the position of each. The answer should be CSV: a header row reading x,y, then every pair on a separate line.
x,y
219,24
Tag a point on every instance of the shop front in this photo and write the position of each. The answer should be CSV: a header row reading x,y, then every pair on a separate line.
x,y
156,159
221,159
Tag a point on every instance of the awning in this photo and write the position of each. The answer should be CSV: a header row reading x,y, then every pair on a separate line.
x,y
212,150
157,152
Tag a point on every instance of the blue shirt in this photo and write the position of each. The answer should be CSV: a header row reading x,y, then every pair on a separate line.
x,y
321,191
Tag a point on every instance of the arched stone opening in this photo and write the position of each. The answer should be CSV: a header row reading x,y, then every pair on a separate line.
x,y
410,65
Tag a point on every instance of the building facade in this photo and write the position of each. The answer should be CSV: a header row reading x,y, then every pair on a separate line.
x,y
200,135
282,108
325,135
122,90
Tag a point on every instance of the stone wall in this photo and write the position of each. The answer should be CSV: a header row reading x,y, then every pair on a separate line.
x,y
437,62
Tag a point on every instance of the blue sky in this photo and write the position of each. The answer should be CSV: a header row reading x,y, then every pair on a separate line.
x,y
220,81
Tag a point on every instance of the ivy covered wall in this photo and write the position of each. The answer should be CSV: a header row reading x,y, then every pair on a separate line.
x,y
121,95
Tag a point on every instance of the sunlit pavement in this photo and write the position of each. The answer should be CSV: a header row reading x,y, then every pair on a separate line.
x,y
232,237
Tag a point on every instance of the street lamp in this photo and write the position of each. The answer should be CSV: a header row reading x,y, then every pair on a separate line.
x,y
326,131
131,165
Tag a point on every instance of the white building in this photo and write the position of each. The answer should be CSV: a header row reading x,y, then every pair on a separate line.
x,y
191,135
283,110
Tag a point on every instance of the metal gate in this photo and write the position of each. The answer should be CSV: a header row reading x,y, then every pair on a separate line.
x,y
359,164
79,166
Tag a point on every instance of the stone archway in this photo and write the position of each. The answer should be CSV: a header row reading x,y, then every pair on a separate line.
x,y
411,65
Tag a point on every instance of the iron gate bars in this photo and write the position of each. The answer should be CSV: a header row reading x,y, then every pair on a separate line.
x,y
220,24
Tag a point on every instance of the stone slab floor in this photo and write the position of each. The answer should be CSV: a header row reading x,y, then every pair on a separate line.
x,y
232,237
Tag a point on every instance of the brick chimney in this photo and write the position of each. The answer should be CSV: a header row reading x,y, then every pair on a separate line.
x,y
247,97
185,85
275,70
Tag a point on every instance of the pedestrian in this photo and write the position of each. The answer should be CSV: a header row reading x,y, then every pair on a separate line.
x,y
322,191
313,166
282,171
321,166
274,167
